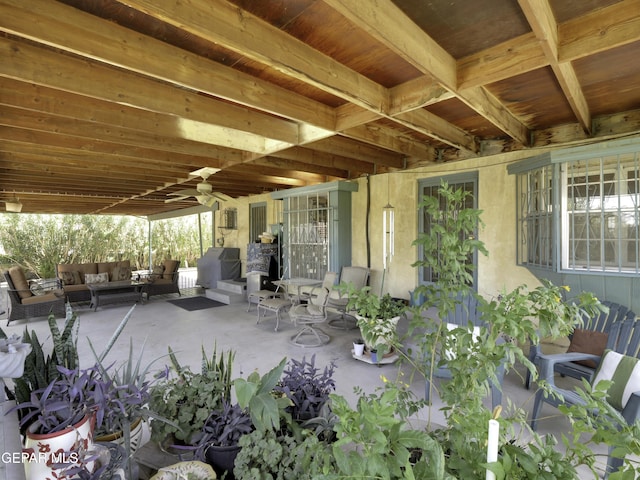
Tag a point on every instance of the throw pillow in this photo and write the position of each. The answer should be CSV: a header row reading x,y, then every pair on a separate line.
x,y
156,273
71,278
624,372
90,278
588,341
121,273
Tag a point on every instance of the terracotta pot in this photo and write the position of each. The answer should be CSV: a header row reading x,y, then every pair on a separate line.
x,y
64,447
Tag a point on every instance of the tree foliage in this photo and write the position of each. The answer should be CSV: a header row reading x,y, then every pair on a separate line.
x,y
39,242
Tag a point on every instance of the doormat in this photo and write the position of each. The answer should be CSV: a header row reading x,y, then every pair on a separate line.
x,y
196,303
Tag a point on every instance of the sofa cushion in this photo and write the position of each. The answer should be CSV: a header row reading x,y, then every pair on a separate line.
x,y
170,267
120,273
109,267
20,282
71,278
83,268
96,278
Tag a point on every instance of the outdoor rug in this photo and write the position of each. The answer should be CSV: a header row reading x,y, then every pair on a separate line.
x,y
196,303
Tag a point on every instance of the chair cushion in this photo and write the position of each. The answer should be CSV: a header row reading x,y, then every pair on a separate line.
x,y
588,341
83,268
170,267
47,297
96,278
20,282
624,372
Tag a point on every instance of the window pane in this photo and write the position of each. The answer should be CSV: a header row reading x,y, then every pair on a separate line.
x,y
602,214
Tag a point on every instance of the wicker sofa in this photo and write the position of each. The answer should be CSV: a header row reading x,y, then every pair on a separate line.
x,y
24,303
73,277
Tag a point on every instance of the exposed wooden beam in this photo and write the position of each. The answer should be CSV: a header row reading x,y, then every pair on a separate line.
x,y
540,17
599,30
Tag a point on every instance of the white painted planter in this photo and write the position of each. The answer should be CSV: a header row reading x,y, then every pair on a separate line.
x,y
386,329
46,450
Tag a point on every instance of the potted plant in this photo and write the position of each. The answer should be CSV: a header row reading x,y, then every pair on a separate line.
x,y
61,417
217,442
377,316
307,387
186,399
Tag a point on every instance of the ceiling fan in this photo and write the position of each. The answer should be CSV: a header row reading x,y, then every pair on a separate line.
x,y
203,192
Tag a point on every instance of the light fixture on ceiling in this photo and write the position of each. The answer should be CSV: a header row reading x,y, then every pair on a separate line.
x,y
13,205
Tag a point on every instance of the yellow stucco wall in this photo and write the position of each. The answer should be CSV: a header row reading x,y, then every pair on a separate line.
x,y
496,198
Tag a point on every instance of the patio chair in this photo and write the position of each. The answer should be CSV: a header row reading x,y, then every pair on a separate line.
x,y
328,282
308,316
165,282
464,315
24,304
358,277
623,344
591,338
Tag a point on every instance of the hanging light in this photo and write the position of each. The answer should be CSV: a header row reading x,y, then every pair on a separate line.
x,y
13,205
387,231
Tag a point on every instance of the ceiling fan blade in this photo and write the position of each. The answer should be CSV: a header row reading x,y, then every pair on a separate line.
x,y
176,199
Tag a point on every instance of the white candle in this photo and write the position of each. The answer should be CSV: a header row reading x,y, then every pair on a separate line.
x,y
492,446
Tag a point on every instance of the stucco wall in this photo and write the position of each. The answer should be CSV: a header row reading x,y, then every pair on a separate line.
x,y
496,198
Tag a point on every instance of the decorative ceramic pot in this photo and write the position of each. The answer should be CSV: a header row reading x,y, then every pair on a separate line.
x,y
118,438
48,455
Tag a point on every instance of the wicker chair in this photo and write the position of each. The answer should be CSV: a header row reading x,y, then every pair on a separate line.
x,y
24,304
167,281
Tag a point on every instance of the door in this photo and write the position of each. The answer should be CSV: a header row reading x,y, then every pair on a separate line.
x,y
429,187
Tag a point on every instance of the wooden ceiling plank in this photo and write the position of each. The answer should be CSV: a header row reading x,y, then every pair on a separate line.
x,y
434,126
331,159
508,59
349,148
223,23
72,30
396,31
16,136
27,119
418,93
55,70
600,30
376,134
543,23
293,165
387,23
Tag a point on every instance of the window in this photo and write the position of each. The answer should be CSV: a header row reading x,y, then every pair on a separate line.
x,y
257,220
316,235
579,211
308,220
430,188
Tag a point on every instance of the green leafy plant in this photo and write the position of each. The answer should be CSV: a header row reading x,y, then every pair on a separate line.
x,y
256,393
41,366
373,442
277,455
187,398
376,316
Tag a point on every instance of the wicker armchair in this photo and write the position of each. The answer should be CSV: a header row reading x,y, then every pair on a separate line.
x,y
165,282
24,304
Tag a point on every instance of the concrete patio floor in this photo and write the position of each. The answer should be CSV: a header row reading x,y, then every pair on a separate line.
x,y
158,324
